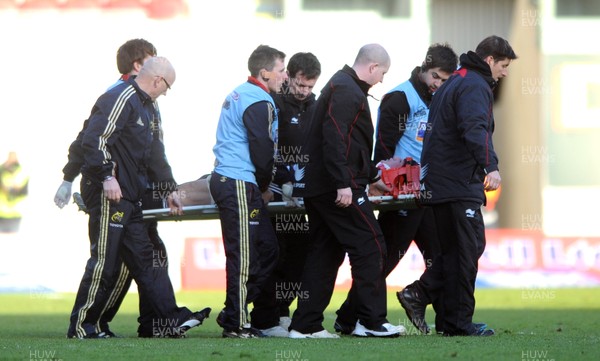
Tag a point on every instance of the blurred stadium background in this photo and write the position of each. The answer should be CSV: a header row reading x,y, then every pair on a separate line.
x,y
58,56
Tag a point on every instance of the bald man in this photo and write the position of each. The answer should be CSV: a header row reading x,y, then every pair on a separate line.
x,y
340,144
117,151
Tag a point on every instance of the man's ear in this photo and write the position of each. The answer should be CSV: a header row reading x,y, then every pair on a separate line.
x,y
265,74
489,60
373,67
137,66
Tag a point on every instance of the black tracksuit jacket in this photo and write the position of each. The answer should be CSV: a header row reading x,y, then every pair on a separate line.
x,y
340,140
111,139
294,117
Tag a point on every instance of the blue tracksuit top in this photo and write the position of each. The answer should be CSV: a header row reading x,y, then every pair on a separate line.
x,y
239,156
411,142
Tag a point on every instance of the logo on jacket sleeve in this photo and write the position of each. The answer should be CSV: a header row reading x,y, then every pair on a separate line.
x,y
140,122
226,104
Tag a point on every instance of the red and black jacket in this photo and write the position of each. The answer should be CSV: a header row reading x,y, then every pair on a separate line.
x,y
340,141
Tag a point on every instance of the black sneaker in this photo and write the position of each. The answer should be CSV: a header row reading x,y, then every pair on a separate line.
x,y
244,332
484,332
221,318
342,327
478,326
481,331
195,319
91,335
414,308
109,334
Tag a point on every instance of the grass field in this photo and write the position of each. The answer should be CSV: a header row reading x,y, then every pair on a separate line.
x,y
531,324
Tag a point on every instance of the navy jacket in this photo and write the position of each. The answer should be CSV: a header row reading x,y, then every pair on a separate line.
x,y
119,136
159,171
340,140
457,149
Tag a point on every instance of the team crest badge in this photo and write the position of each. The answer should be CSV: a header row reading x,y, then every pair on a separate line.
x,y
117,217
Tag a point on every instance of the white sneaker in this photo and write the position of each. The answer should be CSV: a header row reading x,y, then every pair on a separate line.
x,y
285,322
275,331
385,330
320,334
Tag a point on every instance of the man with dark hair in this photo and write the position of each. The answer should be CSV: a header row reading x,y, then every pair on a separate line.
x,y
400,128
239,185
132,54
459,165
341,217
295,105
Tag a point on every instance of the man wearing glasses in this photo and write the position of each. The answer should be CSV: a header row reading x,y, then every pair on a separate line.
x,y
118,159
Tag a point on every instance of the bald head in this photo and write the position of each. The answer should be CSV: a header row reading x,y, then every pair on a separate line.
x,y
372,53
371,63
156,76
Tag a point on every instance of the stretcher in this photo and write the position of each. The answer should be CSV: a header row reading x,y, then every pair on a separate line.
x,y
203,212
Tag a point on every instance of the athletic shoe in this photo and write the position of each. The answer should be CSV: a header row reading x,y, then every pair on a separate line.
x,y
91,335
385,330
285,322
245,332
221,318
415,308
195,319
320,334
275,331
110,334
478,326
342,327
482,331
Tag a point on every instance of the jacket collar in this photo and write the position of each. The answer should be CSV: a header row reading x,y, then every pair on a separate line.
x,y
473,62
364,86
419,86
142,94
255,81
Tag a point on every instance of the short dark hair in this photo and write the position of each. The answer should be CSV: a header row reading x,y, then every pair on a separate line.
x,y
497,47
133,50
263,57
305,63
440,56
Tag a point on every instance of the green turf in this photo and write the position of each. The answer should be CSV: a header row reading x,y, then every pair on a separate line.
x,y
531,324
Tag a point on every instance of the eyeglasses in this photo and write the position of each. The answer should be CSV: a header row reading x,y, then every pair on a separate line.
x,y
166,83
